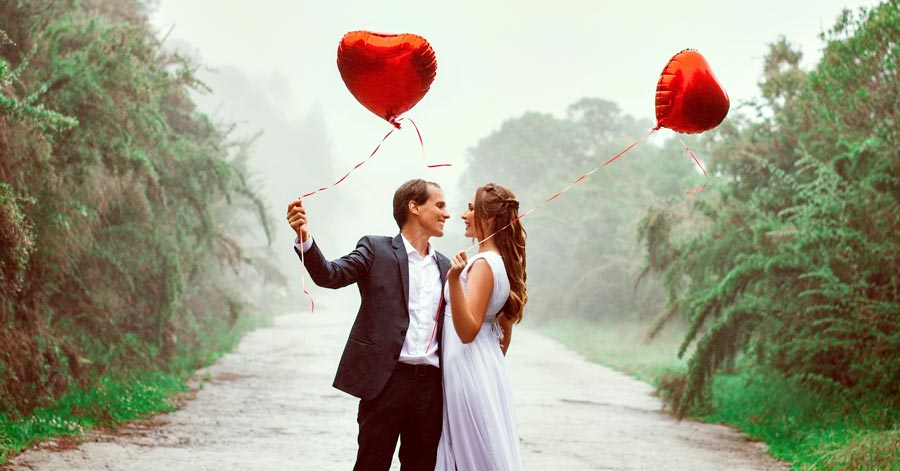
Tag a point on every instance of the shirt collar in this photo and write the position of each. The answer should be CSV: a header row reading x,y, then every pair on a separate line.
x,y
411,250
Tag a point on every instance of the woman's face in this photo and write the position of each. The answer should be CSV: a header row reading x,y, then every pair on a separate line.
x,y
469,217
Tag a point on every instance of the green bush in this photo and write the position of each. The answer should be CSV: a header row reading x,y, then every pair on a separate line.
x,y
119,206
796,262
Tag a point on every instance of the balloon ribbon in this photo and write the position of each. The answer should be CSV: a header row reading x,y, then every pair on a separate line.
x,y
312,302
581,178
438,313
360,164
688,149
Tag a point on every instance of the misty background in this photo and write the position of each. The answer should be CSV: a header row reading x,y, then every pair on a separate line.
x,y
271,69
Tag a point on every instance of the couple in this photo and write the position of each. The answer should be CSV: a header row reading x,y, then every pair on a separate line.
x,y
442,390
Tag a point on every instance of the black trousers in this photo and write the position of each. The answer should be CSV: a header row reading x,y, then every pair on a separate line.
x,y
410,407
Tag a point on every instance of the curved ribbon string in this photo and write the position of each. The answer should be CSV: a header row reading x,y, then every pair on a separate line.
x,y
312,302
567,188
352,169
360,164
688,149
581,178
305,195
423,145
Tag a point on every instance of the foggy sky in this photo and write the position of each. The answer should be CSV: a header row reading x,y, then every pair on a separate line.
x,y
496,60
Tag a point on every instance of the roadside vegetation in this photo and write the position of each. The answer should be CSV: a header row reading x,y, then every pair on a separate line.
x,y
126,253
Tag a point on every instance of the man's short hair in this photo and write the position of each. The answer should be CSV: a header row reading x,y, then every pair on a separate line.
x,y
413,190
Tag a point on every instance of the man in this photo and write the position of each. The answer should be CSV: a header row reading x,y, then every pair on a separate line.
x,y
391,360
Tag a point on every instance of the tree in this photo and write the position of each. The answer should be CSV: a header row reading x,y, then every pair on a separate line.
x,y
797,264
115,207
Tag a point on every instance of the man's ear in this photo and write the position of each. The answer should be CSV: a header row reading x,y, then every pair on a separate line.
x,y
413,207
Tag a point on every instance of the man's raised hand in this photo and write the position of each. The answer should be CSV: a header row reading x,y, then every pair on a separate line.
x,y
296,216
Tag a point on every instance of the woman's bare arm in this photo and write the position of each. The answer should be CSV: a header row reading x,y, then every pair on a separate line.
x,y
469,308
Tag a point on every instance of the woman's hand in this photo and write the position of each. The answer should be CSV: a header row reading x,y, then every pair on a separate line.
x,y
457,265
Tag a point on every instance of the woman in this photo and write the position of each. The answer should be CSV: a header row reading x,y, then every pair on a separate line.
x,y
485,296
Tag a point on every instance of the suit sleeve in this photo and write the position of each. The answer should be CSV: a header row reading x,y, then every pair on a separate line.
x,y
341,272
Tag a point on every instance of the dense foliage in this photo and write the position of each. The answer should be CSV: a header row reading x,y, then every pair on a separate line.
x,y
118,202
791,262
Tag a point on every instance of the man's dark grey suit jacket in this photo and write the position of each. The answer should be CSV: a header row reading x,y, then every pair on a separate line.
x,y
380,268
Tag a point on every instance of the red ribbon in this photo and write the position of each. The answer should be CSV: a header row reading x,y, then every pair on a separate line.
x,y
688,149
352,169
436,315
581,178
312,302
423,145
396,124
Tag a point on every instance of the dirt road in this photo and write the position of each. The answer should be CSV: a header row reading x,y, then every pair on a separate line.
x,y
269,405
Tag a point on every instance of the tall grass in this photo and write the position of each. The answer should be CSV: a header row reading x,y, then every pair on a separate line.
x,y
811,429
114,401
621,345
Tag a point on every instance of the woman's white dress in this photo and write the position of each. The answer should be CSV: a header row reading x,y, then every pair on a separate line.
x,y
479,432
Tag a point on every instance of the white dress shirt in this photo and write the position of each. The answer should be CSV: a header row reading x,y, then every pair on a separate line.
x,y
424,301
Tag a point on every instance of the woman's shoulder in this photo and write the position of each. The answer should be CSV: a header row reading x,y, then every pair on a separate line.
x,y
494,259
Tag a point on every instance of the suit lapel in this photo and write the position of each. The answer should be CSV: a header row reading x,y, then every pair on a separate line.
x,y
443,268
403,264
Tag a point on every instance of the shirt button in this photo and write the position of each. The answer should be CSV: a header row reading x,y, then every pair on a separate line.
x,y
403,333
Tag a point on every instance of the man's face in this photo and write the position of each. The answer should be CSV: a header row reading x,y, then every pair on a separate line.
x,y
433,213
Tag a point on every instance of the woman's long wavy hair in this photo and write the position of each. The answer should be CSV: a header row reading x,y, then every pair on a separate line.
x,y
495,206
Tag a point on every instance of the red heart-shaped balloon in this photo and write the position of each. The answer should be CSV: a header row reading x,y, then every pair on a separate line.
x,y
387,73
689,99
